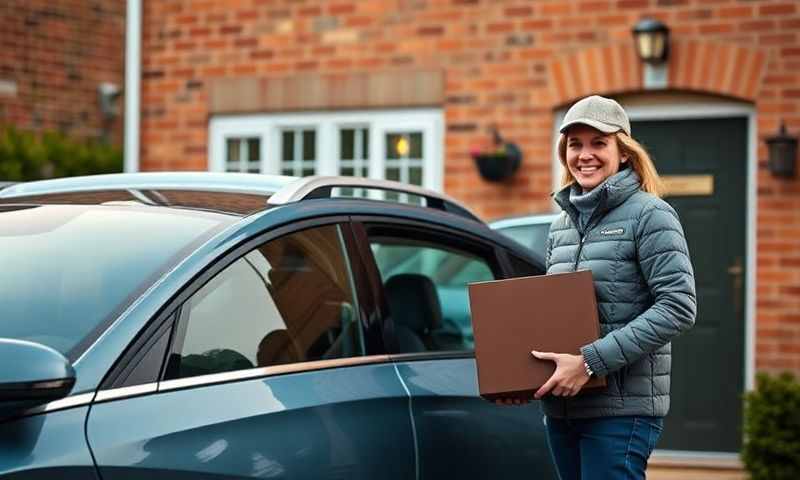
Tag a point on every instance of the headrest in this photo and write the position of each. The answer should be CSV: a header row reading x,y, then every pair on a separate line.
x,y
413,302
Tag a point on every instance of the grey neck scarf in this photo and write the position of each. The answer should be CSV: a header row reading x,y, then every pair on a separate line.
x,y
587,202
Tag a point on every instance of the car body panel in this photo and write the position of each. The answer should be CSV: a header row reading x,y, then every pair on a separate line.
x,y
284,426
47,446
462,435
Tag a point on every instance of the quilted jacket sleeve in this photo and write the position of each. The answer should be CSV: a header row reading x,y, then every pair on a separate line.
x,y
663,257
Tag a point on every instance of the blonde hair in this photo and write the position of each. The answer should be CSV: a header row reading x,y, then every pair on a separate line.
x,y
638,159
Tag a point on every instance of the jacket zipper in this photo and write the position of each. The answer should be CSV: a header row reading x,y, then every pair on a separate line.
x,y
578,257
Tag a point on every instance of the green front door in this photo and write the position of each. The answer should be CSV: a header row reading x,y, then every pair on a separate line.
x,y
705,162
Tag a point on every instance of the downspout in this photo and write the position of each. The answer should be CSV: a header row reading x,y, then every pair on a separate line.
x,y
133,63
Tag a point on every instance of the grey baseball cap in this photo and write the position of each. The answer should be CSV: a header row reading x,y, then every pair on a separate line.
x,y
599,112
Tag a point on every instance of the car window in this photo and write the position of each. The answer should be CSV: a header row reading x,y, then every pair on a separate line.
x,y
290,300
426,286
69,270
522,234
533,236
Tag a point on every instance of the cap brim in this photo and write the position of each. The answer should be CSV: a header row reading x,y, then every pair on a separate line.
x,y
603,127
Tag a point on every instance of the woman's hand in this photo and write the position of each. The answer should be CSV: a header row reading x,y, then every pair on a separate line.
x,y
568,379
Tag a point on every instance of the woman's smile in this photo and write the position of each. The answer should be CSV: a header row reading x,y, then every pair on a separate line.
x,y
591,156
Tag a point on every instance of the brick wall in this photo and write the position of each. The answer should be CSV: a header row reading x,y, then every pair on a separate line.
x,y
53,55
506,62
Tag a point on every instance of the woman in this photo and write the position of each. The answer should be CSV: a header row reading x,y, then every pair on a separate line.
x,y
614,224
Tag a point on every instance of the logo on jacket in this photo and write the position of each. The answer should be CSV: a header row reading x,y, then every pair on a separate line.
x,y
616,231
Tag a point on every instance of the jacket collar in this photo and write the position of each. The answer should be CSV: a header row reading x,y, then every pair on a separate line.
x,y
615,190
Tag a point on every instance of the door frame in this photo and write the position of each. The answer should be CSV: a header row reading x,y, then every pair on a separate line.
x,y
706,109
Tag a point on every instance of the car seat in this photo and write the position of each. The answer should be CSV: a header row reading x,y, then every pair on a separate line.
x,y
414,307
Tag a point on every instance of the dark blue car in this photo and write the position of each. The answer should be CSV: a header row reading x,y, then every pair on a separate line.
x,y
196,325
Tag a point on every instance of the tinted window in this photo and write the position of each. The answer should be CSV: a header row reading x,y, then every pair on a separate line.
x,y
522,234
290,300
423,323
68,270
533,236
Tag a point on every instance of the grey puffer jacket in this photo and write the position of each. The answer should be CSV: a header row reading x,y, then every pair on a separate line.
x,y
635,247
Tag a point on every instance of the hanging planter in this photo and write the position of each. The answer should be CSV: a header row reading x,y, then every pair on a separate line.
x,y
500,164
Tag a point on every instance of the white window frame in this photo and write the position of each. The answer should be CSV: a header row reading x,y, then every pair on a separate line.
x,y
268,128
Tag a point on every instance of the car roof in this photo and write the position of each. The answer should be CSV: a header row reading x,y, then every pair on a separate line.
x,y
236,193
524,220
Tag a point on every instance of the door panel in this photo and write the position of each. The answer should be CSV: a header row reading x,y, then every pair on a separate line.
x,y
328,424
708,361
463,436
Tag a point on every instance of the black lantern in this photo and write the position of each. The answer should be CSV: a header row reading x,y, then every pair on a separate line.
x,y
782,154
652,40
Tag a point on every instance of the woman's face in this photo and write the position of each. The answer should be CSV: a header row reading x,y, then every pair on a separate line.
x,y
592,156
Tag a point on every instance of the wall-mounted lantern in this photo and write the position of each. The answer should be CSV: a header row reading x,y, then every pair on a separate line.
x,y
652,41
782,154
107,94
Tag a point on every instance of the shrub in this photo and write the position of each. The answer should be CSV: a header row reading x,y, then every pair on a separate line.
x,y
29,156
772,428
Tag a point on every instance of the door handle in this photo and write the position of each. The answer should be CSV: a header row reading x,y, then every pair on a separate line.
x,y
737,272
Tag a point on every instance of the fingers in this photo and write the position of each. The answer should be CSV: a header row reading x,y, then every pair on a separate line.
x,y
544,355
546,388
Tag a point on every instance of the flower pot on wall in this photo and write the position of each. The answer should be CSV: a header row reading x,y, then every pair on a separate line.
x,y
500,165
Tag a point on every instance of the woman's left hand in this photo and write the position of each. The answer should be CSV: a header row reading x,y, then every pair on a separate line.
x,y
568,379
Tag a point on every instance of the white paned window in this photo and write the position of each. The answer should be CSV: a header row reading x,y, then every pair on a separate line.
x,y
353,156
298,152
242,154
402,145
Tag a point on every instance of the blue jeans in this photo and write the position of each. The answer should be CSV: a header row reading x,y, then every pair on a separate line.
x,y
605,448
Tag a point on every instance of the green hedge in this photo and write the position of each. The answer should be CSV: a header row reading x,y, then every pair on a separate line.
x,y
30,156
772,428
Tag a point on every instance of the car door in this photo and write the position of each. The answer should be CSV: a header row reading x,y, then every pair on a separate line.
x,y
267,375
422,274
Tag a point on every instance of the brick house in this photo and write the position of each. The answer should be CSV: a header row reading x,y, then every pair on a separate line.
x,y
402,89
55,56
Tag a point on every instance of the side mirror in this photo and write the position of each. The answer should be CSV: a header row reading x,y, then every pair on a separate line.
x,y
31,374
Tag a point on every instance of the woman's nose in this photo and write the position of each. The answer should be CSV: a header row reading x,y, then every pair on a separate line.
x,y
585,155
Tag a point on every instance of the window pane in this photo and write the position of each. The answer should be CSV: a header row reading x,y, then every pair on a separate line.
x,y
288,301
393,142
306,172
364,143
522,234
232,149
415,176
347,144
415,140
309,145
253,149
393,173
287,171
287,146
406,268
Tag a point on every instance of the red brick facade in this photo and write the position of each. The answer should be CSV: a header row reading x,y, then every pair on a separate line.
x,y
506,62
53,56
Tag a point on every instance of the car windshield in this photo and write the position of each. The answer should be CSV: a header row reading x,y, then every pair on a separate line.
x,y
69,270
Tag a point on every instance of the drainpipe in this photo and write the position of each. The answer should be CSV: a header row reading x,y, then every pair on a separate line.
x,y
133,63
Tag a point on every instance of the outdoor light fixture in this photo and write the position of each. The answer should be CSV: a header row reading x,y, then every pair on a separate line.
x,y
652,41
782,154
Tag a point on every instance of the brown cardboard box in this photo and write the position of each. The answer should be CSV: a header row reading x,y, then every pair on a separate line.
x,y
549,313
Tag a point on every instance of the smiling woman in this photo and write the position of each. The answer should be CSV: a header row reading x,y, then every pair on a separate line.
x,y
615,225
